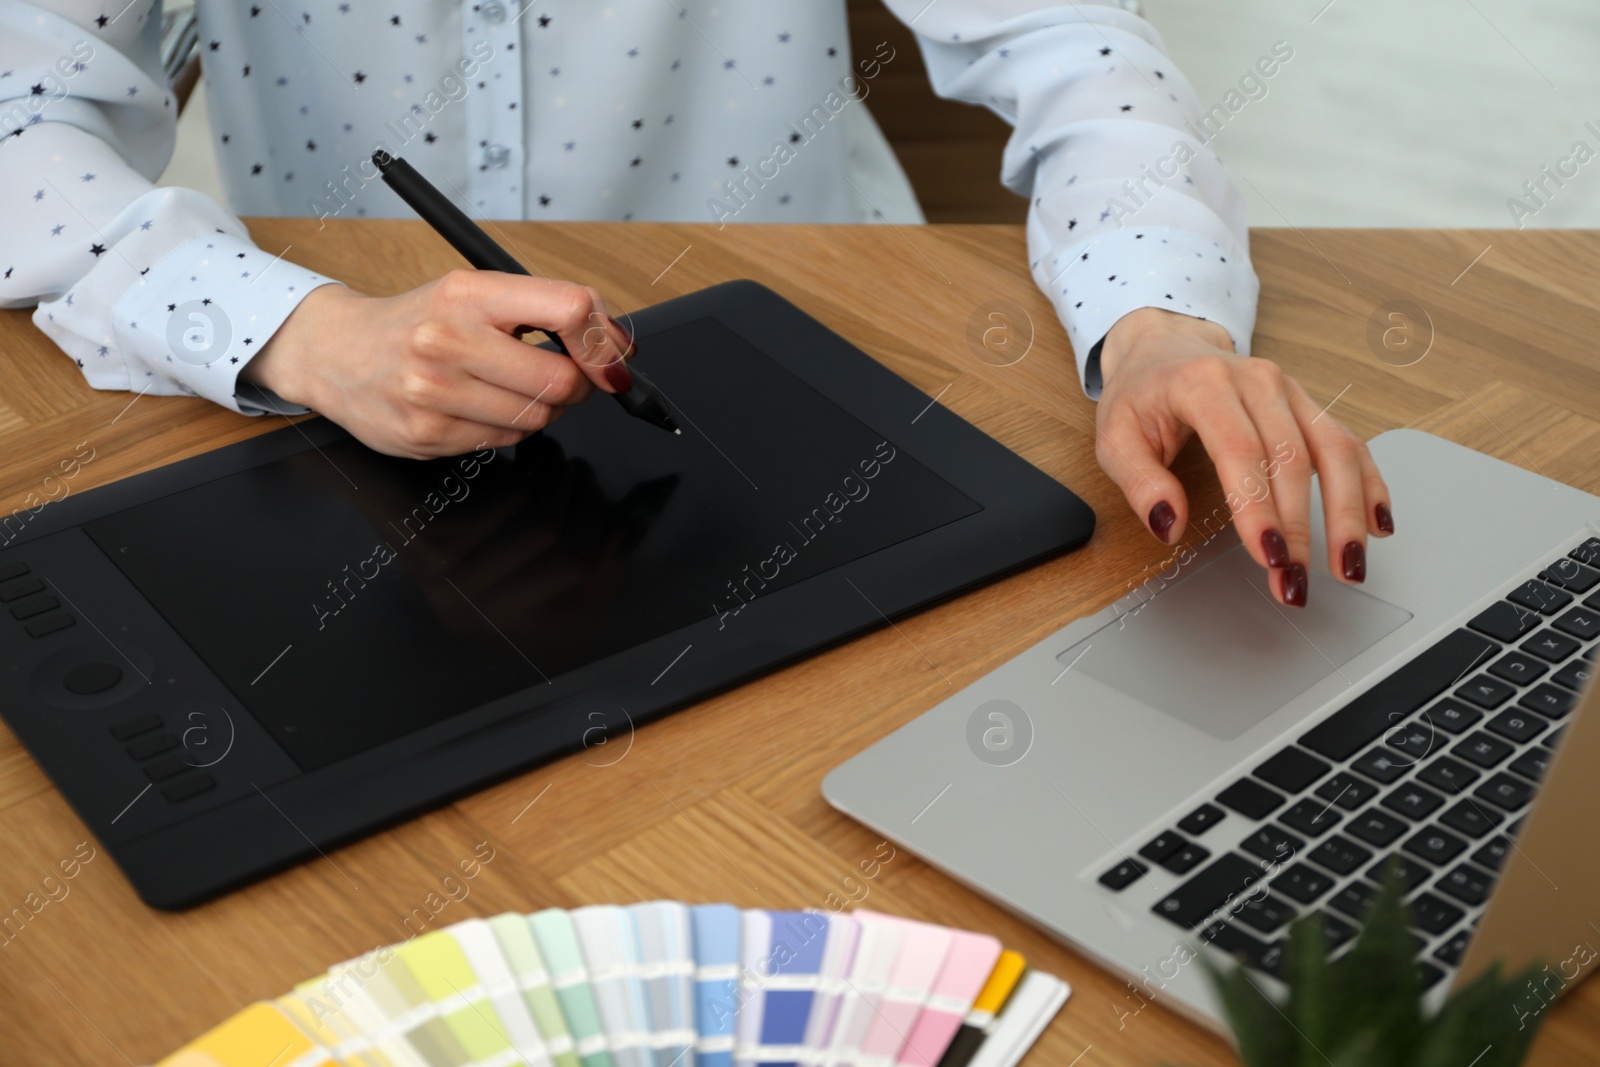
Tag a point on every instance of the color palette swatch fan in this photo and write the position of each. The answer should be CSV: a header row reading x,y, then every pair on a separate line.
x,y
660,984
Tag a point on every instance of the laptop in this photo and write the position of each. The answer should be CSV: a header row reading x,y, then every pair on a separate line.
x,y
1195,766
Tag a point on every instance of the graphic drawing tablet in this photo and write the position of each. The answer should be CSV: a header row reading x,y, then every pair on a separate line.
x,y
231,662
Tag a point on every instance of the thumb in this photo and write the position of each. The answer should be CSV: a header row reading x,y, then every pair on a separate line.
x,y
1136,464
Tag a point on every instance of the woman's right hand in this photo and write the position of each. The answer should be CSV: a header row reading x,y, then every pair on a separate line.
x,y
439,370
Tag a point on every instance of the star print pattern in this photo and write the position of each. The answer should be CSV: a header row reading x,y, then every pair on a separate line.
x,y
299,98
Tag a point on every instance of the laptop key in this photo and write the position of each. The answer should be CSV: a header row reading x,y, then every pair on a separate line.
x,y
1452,716
1241,946
1376,827
1493,855
1483,750
1364,719
1195,901
1545,599
1532,764
1353,900
1433,915
1413,801
1505,621
1379,765
1161,846
1588,552
9,571
1123,875
1581,623
1508,792
1428,976
1292,770
1567,573
1339,855
1465,883
1335,931
1451,951
1311,816
1412,873
1266,913
1553,738
1415,739
1518,668
1272,843
1347,791
1303,883
1471,818
1186,859
1548,700
1250,799
1201,819
1435,845
1486,692
1574,675
1448,775
1550,645
1516,725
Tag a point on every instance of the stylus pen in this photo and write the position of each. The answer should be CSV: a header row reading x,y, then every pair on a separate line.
x,y
642,401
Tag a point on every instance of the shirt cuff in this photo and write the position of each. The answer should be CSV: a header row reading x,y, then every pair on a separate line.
x,y
195,319
1094,283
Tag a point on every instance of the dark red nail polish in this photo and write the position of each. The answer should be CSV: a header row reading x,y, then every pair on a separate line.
x,y
1385,518
627,336
1294,585
1355,562
619,376
1161,519
1276,548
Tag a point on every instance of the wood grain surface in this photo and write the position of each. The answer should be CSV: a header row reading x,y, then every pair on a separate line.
x,y
721,801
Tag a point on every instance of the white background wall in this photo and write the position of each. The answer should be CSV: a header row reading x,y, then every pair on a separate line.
x,y
1391,113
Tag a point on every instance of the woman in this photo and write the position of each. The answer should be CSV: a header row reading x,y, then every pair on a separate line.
x,y
743,110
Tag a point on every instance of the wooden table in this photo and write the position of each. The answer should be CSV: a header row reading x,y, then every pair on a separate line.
x,y
722,801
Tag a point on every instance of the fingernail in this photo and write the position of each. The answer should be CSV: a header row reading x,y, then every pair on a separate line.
x,y
1355,562
1276,548
1161,519
1294,585
1385,519
627,336
620,377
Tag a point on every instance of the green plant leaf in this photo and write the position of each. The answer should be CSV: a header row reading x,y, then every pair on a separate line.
x,y
1364,1009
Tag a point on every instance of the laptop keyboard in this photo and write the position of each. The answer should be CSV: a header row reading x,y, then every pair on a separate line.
x,y
1435,765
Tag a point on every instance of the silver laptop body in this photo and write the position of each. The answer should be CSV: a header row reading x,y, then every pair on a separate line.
x,y
1120,731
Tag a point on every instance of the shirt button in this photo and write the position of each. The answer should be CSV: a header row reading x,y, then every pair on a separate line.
x,y
497,155
494,11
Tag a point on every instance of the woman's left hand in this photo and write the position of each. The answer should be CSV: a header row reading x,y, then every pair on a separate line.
x,y
1168,376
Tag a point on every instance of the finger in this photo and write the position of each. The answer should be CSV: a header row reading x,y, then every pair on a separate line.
x,y
572,312
1207,399
487,404
1285,474
535,374
1380,514
1336,454
1135,463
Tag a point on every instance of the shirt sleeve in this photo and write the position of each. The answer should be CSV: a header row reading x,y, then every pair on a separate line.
x,y
1129,207
149,289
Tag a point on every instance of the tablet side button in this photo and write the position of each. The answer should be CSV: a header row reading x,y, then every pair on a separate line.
x,y
192,786
131,728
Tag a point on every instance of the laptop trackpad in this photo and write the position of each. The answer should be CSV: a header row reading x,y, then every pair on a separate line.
x,y
1217,652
